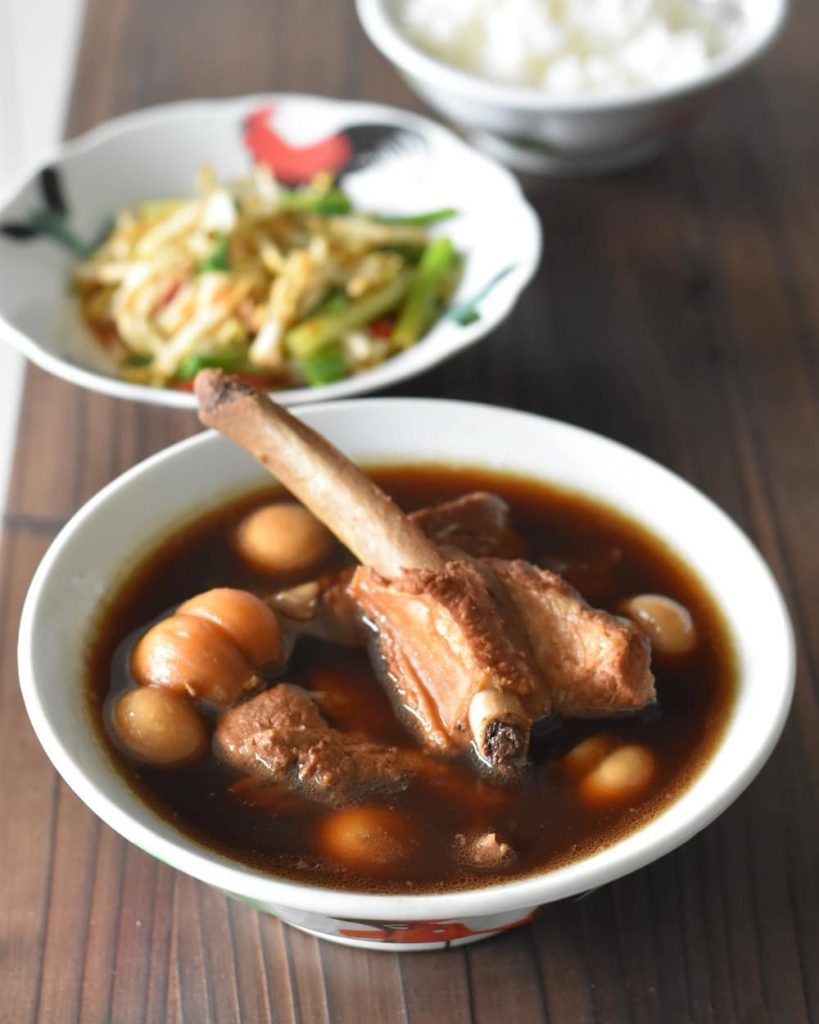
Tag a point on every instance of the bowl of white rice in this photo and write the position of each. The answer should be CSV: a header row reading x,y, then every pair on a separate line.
x,y
571,86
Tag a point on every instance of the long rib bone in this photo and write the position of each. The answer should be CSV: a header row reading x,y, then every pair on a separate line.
x,y
360,514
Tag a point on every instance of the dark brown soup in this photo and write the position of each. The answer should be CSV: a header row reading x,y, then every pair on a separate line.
x,y
541,816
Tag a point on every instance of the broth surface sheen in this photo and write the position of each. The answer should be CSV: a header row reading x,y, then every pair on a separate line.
x,y
605,556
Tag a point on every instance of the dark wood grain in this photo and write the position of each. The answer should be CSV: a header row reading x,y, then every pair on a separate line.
x,y
677,310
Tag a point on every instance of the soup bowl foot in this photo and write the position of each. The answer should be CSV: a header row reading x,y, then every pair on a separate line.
x,y
399,936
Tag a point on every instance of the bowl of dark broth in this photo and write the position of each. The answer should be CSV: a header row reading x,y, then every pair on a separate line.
x,y
453,852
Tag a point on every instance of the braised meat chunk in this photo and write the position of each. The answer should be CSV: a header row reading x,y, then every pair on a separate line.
x,y
591,662
322,608
280,736
475,524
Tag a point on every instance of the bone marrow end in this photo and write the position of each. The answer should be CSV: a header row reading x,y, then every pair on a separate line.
x,y
505,743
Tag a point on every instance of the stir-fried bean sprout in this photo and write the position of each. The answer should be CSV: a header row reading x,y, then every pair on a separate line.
x,y
289,287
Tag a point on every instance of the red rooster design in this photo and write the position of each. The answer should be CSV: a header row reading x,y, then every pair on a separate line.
x,y
354,148
424,931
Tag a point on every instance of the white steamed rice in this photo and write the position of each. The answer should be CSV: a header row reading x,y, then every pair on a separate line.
x,y
570,47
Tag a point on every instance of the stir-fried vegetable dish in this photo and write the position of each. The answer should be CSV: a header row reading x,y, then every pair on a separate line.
x,y
288,287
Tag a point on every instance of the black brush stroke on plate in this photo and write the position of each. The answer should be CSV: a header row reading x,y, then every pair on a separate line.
x,y
19,232
374,143
51,190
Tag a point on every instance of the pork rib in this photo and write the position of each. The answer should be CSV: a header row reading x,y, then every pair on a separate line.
x,y
483,647
445,637
475,649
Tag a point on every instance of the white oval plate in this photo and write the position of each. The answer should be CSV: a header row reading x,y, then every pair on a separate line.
x,y
397,163
94,552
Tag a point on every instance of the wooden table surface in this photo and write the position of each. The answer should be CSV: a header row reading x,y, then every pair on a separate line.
x,y
676,310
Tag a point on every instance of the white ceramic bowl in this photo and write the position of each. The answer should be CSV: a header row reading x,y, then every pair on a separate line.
x,y
94,552
400,164
533,131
